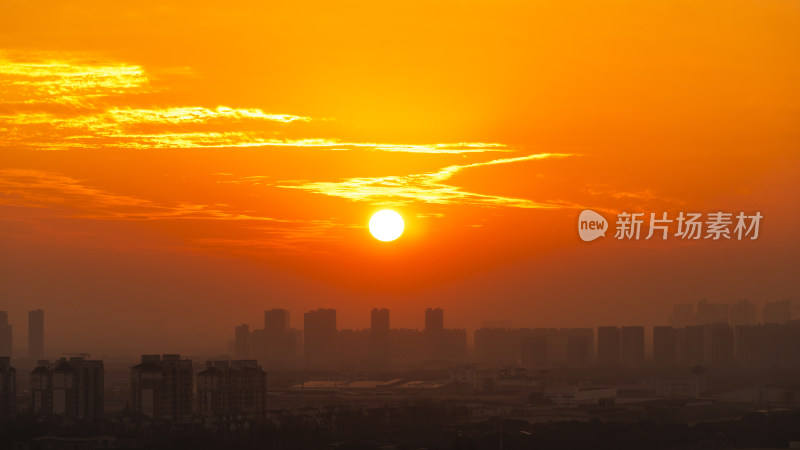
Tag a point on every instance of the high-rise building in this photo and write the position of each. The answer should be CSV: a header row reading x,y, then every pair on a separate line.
x,y
71,388
379,334
682,315
242,341
353,345
276,320
758,346
719,344
608,346
277,342
406,344
778,312
319,334
36,333
692,348
768,345
584,339
497,345
665,350
579,350
632,346
434,319
533,351
440,342
711,313
232,388
161,387
379,319
454,343
8,388
743,313
5,335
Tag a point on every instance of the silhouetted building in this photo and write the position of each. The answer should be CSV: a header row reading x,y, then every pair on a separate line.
x,y
682,315
434,319
8,388
743,313
719,345
632,346
379,334
242,341
232,388
533,351
692,346
36,333
407,345
277,342
434,336
665,346
72,389
5,335
379,319
276,320
319,334
455,343
42,388
608,346
779,312
711,313
768,345
497,345
443,343
353,345
573,354
579,350
161,387
757,346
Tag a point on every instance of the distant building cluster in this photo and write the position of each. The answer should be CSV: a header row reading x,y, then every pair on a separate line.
x,y
8,388
322,342
71,388
169,387
35,334
162,387
743,312
710,334
227,388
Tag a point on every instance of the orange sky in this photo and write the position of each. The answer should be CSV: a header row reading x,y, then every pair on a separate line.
x,y
168,171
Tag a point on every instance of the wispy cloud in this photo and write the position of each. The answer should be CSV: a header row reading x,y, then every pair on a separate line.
x,y
38,197
423,188
64,79
70,197
118,128
195,114
637,199
463,147
62,101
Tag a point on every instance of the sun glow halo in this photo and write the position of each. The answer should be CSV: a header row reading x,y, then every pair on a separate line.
x,y
386,225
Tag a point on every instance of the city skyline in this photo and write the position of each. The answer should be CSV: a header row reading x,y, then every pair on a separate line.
x,y
279,333
717,359
397,225
151,171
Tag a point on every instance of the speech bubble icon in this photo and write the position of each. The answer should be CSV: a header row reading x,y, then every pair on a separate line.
x,y
591,225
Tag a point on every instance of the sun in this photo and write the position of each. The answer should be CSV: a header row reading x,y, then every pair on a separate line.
x,y
386,225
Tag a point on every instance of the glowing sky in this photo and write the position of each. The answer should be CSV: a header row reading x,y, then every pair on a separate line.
x,y
169,170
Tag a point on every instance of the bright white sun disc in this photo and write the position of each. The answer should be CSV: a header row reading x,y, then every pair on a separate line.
x,y
386,225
